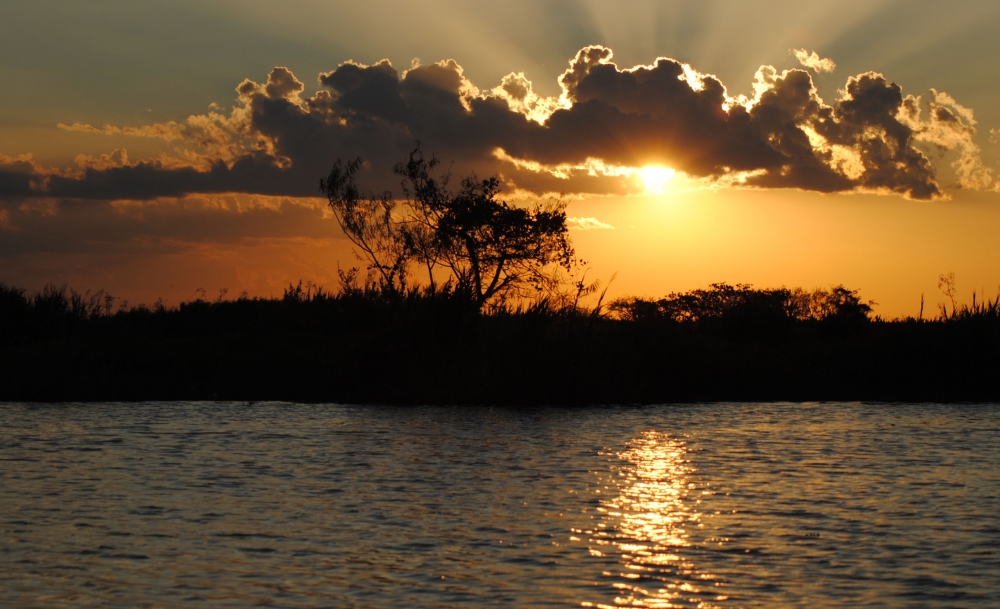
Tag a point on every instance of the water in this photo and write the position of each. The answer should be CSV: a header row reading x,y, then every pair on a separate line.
x,y
288,505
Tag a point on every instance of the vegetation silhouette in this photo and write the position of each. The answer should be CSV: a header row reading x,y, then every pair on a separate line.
x,y
369,344
744,314
505,317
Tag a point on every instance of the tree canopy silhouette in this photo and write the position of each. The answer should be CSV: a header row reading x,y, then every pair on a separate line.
x,y
487,249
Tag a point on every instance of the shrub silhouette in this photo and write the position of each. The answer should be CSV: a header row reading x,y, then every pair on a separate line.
x,y
743,313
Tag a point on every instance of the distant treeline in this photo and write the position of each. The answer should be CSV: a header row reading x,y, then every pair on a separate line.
x,y
436,346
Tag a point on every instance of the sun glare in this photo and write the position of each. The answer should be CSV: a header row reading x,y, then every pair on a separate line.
x,y
655,178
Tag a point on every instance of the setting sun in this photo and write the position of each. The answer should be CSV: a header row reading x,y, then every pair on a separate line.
x,y
655,178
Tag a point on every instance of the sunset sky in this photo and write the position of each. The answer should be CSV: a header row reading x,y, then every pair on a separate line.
x,y
154,148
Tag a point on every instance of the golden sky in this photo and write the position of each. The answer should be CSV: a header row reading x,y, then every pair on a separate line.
x,y
152,149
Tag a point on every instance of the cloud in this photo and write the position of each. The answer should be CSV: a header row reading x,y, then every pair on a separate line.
x,y
814,62
20,177
587,224
47,226
164,131
118,158
939,120
856,144
595,137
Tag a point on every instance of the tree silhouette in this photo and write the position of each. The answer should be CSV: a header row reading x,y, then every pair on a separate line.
x,y
489,250
369,222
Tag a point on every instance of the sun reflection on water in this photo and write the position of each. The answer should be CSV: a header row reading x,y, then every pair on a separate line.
x,y
648,526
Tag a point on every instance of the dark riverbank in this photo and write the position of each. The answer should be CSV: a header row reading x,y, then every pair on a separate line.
x,y
421,350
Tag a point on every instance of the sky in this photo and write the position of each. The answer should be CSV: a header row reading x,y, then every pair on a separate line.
x,y
154,149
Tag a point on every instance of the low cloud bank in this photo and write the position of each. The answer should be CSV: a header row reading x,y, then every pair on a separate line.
x,y
607,123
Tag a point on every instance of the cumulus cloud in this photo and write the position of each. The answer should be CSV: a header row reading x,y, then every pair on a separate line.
x,y
587,224
939,120
595,137
814,62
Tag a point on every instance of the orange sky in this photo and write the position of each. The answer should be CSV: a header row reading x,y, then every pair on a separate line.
x,y
128,163
892,250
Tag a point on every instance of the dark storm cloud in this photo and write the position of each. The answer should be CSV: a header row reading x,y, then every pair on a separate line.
x,y
607,122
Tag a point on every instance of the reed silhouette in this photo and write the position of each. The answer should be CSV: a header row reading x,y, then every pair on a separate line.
x,y
372,344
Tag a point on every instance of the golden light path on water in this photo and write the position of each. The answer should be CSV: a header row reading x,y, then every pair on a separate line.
x,y
300,506
648,525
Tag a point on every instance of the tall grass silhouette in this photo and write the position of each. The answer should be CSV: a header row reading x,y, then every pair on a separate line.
x,y
431,344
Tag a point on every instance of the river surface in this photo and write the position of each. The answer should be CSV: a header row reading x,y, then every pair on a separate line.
x,y
290,505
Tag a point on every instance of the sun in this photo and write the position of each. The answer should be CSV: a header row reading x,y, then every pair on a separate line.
x,y
655,178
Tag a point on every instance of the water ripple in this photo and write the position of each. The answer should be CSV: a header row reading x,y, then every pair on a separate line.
x,y
289,505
